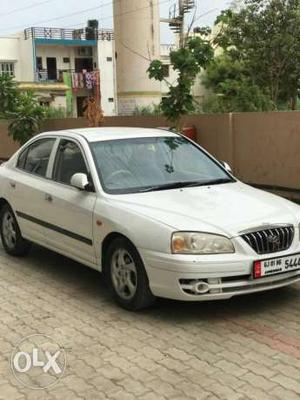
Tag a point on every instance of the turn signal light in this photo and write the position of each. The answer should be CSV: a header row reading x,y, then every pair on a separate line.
x,y
178,244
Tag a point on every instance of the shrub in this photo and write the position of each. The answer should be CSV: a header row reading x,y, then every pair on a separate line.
x,y
27,118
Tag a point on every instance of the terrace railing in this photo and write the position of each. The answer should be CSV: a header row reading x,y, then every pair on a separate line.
x,y
69,34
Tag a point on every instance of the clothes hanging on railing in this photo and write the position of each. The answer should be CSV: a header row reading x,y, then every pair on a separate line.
x,y
89,80
75,80
81,81
85,80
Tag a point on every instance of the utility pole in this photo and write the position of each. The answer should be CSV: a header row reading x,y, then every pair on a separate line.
x,y
176,18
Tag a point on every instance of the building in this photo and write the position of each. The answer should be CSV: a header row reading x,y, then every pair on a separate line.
x,y
53,63
63,66
137,36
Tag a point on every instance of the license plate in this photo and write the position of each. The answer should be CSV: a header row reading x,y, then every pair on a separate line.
x,y
275,266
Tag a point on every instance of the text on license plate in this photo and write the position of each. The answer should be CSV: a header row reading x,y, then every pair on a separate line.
x,y
276,266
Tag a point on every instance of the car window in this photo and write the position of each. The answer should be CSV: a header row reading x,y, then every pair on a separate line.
x,y
130,165
35,158
69,161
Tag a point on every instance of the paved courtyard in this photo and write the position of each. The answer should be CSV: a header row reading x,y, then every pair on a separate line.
x,y
245,348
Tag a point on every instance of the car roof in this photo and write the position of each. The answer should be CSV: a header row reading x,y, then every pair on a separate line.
x,y
113,133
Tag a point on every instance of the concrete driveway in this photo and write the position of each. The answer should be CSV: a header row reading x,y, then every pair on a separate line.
x,y
246,348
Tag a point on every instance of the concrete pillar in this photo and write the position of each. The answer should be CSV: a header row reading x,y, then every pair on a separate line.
x,y
137,42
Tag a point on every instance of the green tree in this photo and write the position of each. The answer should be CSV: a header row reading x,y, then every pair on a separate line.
x,y
232,87
8,94
264,35
27,117
187,61
22,109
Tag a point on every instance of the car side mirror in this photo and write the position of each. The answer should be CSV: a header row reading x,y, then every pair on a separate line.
x,y
227,167
80,181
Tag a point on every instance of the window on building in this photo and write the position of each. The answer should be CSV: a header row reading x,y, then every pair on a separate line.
x,y
84,51
166,70
109,59
111,99
66,60
44,103
7,68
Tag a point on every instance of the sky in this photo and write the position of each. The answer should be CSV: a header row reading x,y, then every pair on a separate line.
x,y
15,15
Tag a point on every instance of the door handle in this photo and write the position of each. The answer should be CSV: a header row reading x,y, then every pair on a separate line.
x,y
48,197
12,184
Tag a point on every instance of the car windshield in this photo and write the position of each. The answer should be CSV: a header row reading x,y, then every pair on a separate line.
x,y
155,163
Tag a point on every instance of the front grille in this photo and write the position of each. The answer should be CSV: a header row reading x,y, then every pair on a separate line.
x,y
268,241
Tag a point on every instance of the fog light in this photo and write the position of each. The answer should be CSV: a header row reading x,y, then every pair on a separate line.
x,y
201,288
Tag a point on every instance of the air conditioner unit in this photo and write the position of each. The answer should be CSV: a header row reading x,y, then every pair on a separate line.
x,y
90,33
93,23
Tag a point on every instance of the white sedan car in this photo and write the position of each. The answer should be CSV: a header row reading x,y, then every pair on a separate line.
x,y
152,210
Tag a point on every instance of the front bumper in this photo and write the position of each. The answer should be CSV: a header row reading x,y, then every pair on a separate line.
x,y
217,277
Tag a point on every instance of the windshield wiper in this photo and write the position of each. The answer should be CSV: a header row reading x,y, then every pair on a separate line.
x,y
218,181
165,186
178,185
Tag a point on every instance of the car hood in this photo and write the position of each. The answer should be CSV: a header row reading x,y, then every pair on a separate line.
x,y
226,208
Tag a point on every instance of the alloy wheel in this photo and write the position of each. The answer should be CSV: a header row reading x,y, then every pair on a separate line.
x,y
124,274
9,230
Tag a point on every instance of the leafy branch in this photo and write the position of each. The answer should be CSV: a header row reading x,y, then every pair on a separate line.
x,y
188,61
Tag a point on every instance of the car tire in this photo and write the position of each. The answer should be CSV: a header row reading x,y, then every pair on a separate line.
x,y
126,276
12,240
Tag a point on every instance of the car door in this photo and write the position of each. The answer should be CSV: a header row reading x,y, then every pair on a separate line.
x,y
26,187
69,211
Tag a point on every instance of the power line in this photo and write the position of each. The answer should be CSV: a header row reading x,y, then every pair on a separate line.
x,y
118,15
61,17
16,10
74,13
82,11
133,11
205,14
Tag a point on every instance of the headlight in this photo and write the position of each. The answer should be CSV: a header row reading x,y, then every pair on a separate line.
x,y
200,243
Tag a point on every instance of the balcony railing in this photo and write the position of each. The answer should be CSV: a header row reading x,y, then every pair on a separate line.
x,y
79,79
69,34
50,76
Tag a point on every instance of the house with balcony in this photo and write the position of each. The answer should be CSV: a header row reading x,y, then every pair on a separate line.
x,y
63,67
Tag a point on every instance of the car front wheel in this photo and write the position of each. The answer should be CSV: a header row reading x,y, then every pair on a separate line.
x,y
126,276
11,237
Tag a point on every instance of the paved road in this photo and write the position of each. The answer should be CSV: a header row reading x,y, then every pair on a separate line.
x,y
246,348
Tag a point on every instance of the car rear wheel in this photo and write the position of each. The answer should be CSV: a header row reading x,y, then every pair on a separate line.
x,y
126,276
11,237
